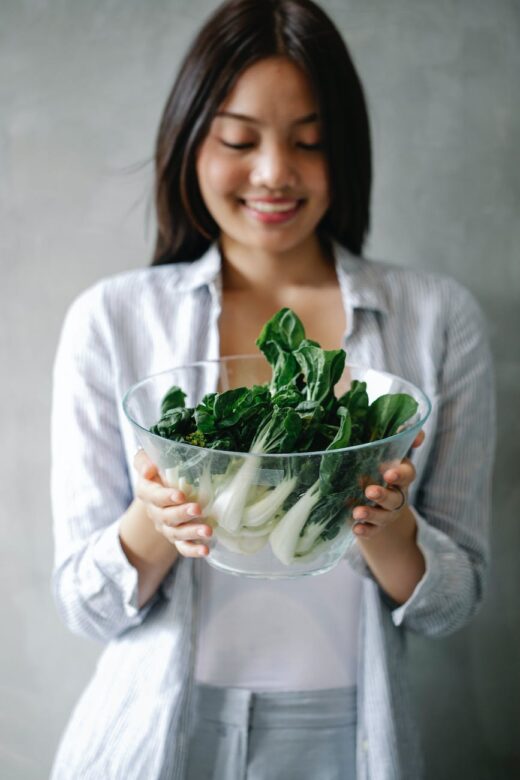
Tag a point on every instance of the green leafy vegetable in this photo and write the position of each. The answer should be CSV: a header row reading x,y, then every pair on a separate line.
x,y
386,414
297,411
173,399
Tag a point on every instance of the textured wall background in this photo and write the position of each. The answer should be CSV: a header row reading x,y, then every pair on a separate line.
x,y
81,90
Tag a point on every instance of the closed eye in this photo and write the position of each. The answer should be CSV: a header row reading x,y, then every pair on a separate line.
x,y
236,146
310,147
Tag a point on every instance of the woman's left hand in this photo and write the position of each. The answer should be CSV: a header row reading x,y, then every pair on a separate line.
x,y
390,501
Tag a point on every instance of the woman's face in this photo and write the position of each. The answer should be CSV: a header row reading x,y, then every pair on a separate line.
x,y
261,170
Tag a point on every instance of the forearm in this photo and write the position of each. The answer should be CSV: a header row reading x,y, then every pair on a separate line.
x,y
146,549
394,558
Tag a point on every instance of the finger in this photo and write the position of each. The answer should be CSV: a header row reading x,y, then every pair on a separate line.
x,y
144,465
385,499
366,530
192,549
368,514
188,532
373,515
419,439
402,475
157,494
173,516
389,498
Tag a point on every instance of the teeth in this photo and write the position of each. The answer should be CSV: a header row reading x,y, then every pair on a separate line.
x,y
271,208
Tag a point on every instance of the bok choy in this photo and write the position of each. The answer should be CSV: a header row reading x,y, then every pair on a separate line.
x,y
250,501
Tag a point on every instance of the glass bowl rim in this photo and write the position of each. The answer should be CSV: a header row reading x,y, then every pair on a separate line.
x,y
196,448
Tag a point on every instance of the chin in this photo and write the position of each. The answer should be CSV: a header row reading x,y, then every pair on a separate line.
x,y
276,241
276,246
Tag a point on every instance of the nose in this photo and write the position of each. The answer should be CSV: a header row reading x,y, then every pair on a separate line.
x,y
273,168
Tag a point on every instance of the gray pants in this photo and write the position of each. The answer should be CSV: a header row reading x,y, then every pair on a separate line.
x,y
305,735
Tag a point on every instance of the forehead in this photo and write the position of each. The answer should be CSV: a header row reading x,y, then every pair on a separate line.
x,y
271,87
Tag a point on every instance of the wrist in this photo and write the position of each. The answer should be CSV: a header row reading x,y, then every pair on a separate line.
x,y
143,545
393,556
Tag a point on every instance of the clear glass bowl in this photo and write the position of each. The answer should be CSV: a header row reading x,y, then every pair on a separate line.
x,y
243,542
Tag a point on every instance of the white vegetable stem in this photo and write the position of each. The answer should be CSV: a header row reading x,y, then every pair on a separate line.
x,y
205,491
284,538
240,544
264,509
181,483
203,494
309,537
228,507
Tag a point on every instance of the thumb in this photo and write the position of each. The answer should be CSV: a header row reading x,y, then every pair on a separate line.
x,y
144,465
419,439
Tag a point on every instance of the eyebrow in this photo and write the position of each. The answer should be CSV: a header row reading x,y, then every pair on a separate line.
x,y
304,120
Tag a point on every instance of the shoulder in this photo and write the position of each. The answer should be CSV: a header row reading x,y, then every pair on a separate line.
x,y
403,278
128,293
128,286
437,314
425,291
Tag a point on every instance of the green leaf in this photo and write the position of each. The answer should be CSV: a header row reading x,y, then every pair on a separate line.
x,y
387,413
287,396
173,399
174,424
321,369
278,339
356,401
342,437
311,414
279,433
227,406
332,469
284,331
205,414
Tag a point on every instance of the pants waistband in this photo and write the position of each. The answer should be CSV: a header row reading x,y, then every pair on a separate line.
x,y
289,709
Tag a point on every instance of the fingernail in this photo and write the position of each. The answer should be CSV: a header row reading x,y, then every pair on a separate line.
x,y
178,497
361,514
202,532
193,510
392,476
374,493
359,530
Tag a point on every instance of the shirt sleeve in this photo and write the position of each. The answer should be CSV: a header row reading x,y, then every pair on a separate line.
x,y
452,501
94,585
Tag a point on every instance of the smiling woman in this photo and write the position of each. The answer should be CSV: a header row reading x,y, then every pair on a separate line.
x,y
263,178
301,45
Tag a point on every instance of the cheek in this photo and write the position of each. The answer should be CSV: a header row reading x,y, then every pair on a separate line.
x,y
316,179
218,177
322,183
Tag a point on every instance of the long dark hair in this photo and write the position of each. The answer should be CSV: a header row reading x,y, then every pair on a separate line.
x,y
237,35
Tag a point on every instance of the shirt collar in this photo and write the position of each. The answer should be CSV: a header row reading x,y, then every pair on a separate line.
x,y
359,278
360,281
202,272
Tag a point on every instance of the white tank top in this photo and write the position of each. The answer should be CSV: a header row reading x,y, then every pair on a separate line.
x,y
279,635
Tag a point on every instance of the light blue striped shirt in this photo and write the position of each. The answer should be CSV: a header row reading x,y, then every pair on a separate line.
x,y
131,723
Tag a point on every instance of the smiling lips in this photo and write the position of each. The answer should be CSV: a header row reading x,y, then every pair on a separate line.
x,y
272,210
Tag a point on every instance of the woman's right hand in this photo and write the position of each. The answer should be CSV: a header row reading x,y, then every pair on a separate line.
x,y
173,516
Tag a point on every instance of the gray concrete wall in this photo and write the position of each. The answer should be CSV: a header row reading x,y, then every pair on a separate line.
x,y
81,90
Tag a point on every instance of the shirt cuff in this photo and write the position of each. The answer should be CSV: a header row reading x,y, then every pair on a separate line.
x,y
110,559
427,541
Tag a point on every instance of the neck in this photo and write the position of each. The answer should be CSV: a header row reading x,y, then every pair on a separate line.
x,y
256,270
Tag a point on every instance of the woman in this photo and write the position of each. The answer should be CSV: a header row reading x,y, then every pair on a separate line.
x,y
263,179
